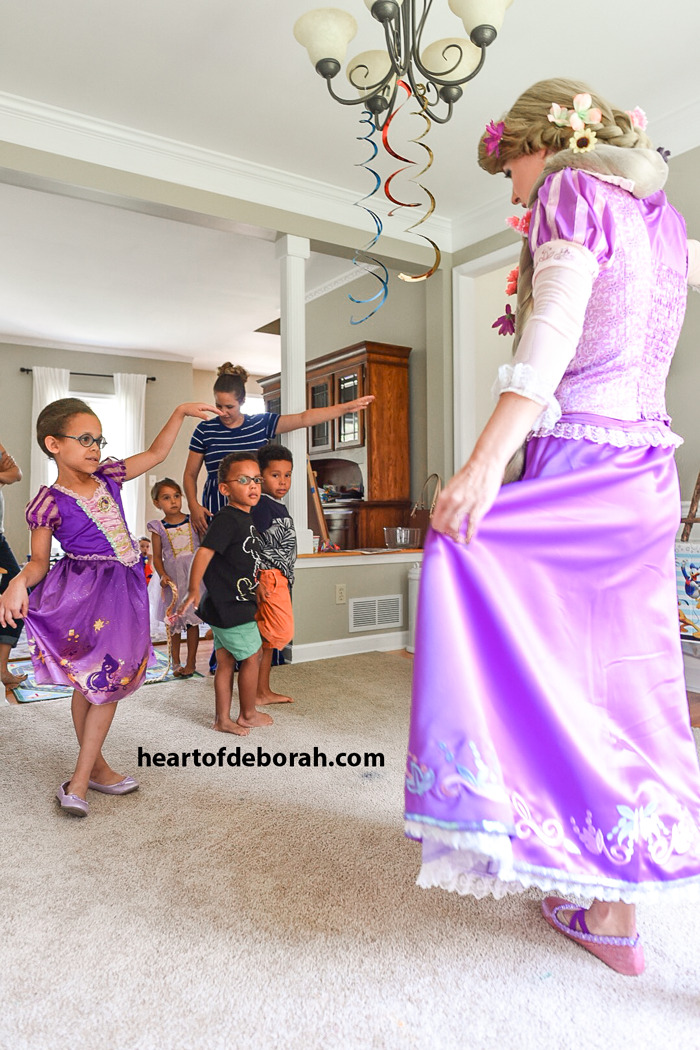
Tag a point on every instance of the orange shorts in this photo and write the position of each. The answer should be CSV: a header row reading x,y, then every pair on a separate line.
x,y
275,617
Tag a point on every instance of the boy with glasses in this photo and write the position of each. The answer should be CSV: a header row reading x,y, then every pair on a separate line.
x,y
228,563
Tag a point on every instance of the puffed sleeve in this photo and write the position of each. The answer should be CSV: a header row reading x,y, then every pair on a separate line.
x,y
114,469
43,512
571,206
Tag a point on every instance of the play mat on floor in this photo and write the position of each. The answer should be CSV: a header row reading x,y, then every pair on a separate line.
x,y
29,692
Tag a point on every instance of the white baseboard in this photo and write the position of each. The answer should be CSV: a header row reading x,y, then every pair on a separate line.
x,y
364,643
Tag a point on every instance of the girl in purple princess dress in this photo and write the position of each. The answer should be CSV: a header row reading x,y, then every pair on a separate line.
x,y
550,742
87,617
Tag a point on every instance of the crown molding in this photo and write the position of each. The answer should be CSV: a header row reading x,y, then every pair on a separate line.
x,y
10,339
41,126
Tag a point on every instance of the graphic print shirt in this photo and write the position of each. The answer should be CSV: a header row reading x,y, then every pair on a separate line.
x,y
231,577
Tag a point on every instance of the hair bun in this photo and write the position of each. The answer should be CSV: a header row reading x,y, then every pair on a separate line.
x,y
227,369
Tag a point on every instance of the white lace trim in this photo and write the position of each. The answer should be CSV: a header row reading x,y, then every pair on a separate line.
x,y
658,436
477,850
523,379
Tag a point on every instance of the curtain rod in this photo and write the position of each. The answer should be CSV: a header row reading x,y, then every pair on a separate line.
x,y
95,375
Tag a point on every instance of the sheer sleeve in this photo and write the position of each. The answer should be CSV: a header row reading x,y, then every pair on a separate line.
x,y
569,243
43,512
694,265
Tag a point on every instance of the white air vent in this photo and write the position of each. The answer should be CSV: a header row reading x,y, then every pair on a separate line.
x,y
374,614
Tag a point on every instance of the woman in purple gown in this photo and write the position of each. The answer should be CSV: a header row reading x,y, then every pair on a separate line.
x,y
550,743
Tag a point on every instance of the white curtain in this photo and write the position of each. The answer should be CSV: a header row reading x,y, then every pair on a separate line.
x,y
130,392
50,384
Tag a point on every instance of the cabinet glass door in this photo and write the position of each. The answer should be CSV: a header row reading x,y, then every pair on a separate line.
x,y
274,404
319,396
348,387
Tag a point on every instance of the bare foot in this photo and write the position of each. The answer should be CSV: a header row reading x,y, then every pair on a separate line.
x,y
10,681
268,697
230,727
256,720
185,672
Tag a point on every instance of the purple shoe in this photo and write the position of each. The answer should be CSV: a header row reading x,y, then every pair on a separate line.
x,y
72,803
624,954
122,787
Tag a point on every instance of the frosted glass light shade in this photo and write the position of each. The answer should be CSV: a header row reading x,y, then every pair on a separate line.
x,y
480,13
439,57
325,33
378,66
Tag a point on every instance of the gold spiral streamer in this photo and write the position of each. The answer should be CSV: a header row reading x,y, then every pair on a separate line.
x,y
420,97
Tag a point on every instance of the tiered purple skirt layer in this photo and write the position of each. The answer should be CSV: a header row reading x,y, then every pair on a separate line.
x,y
550,742
88,628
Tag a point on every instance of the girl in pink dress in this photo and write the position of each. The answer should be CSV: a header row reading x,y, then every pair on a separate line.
x,y
87,617
174,544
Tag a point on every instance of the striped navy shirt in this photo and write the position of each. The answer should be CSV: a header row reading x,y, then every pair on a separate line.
x,y
213,440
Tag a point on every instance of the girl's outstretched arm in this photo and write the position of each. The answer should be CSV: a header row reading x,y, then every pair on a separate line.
x,y
15,601
161,446
203,556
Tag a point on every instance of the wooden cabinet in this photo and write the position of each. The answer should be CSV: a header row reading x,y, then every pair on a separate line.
x,y
376,440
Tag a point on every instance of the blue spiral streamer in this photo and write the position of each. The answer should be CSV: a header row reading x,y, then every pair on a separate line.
x,y
362,257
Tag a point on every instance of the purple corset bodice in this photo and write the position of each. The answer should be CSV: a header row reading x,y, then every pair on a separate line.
x,y
633,320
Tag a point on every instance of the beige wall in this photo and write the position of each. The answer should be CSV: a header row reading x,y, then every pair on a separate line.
x,y
684,379
317,618
173,385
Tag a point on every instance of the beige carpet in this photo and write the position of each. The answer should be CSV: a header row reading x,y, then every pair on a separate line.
x,y
264,908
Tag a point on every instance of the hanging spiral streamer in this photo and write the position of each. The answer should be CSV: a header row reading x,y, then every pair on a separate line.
x,y
402,204
361,256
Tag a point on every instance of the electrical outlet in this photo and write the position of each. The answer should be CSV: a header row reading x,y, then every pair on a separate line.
x,y
341,594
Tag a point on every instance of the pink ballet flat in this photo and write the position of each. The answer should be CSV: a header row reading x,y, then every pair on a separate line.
x,y
123,787
73,804
623,954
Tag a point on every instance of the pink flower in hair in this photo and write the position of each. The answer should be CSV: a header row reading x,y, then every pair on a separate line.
x,y
584,112
638,118
493,136
520,223
512,281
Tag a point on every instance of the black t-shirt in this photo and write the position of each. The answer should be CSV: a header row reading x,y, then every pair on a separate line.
x,y
231,577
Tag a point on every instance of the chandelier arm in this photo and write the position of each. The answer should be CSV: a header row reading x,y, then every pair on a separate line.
x,y
446,82
416,28
419,93
363,99
395,46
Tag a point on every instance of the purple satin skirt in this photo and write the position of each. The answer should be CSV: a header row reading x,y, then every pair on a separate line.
x,y
88,628
550,742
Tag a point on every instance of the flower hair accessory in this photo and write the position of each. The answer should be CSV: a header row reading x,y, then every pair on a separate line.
x,y
493,136
584,112
638,118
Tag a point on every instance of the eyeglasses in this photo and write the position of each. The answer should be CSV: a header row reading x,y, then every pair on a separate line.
x,y
244,479
86,440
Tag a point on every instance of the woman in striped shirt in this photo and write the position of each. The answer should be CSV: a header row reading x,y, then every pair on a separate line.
x,y
233,432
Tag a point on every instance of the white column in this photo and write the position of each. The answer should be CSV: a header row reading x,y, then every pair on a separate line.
x,y
293,253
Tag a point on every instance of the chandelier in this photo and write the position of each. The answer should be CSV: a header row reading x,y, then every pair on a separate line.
x,y
435,74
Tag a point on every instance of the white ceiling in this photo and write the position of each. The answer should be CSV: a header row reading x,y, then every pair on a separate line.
x,y
239,104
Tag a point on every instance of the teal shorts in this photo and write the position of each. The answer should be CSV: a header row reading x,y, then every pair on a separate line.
x,y
241,642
